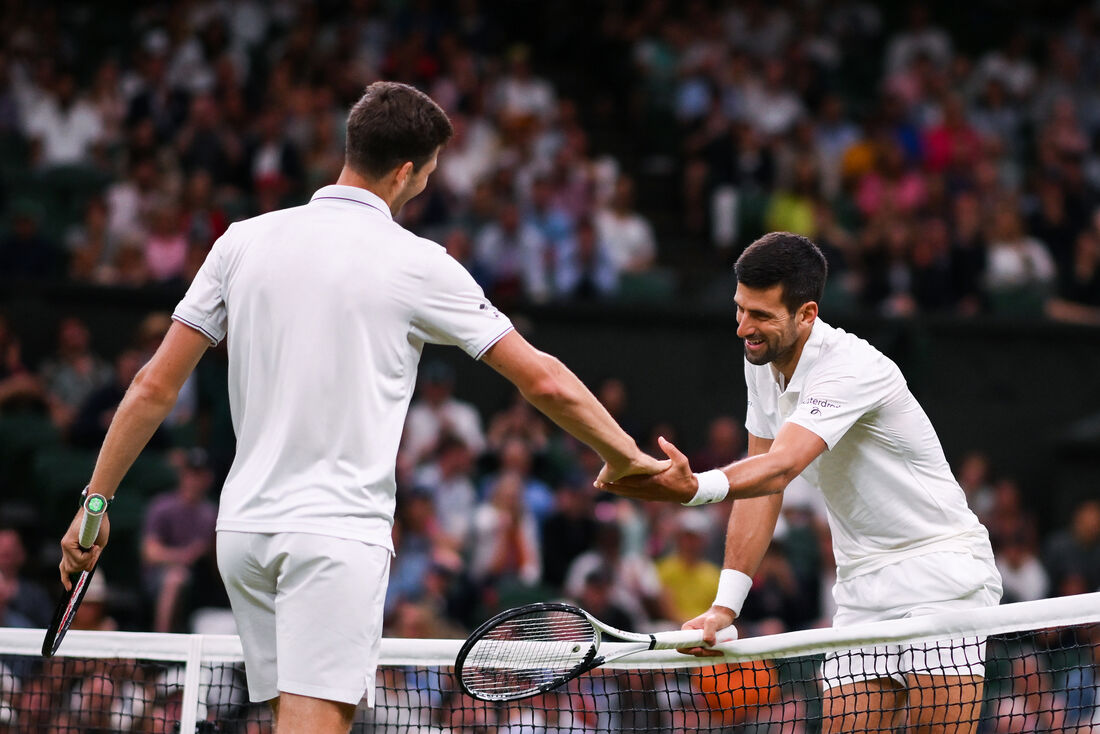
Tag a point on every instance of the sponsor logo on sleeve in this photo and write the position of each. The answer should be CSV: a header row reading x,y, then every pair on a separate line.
x,y
492,311
819,404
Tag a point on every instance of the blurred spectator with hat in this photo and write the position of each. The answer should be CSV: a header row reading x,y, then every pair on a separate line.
x,y
688,578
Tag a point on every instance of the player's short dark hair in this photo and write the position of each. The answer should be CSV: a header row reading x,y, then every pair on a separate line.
x,y
786,259
392,124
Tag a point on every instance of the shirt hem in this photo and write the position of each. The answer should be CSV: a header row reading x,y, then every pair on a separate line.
x,y
973,542
379,534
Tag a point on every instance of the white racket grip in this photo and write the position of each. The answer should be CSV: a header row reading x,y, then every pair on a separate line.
x,y
690,638
94,507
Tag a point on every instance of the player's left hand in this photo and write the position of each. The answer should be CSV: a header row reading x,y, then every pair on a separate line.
x,y
675,484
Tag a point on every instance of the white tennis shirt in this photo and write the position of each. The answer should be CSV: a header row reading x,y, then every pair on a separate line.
x,y
888,489
327,307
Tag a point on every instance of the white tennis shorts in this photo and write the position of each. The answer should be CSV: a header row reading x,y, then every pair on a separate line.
x,y
928,584
308,610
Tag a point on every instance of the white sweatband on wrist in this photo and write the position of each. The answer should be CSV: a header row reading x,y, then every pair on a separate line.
x,y
733,587
714,485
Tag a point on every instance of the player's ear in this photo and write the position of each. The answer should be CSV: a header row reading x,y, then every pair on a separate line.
x,y
404,173
808,312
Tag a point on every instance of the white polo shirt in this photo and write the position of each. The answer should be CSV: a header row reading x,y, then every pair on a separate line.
x,y
327,307
888,489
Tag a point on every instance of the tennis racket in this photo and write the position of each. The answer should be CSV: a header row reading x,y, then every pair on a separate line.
x,y
94,507
535,648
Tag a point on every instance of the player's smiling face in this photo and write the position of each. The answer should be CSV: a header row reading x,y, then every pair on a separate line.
x,y
769,330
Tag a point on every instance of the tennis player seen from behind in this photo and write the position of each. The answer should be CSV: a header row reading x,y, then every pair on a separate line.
x,y
826,405
328,306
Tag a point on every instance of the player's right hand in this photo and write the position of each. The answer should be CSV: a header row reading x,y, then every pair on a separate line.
x,y
73,558
710,622
641,465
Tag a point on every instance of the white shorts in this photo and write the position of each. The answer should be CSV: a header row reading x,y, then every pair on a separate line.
x,y
308,610
929,584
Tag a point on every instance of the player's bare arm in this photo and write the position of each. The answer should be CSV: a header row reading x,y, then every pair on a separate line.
x,y
767,473
748,534
552,388
146,404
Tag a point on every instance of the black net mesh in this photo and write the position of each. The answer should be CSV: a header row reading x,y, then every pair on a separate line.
x,y
1039,681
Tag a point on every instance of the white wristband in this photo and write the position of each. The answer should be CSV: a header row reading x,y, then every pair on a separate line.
x,y
713,487
733,587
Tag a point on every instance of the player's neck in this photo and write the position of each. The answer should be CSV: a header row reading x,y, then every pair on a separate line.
x,y
385,188
787,366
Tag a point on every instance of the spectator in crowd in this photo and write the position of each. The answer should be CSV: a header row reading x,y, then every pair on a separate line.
x,y
166,243
515,457
506,543
973,475
1022,574
1020,270
19,387
74,373
92,613
177,537
1033,703
26,253
92,248
90,424
206,142
1078,298
416,538
66,128
776,602
131,199
569,531
583,270
725,443
1072,555
688,578
512,254
628,236
595,598
449,480
436,413
518,420
10,617
28,600
635,587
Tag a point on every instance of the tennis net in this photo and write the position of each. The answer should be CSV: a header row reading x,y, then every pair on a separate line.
x,y
1041,665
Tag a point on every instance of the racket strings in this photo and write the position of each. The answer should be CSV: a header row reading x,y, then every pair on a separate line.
x,y
524,654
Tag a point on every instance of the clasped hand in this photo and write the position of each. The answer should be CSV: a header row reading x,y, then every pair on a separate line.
x,y
672,482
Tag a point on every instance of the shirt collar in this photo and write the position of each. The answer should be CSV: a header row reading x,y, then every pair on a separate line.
x,y
810,352
355,195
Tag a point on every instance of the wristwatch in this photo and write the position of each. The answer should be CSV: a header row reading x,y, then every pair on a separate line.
x,y
84,497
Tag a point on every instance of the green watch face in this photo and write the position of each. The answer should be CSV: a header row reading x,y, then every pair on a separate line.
x,y
96,504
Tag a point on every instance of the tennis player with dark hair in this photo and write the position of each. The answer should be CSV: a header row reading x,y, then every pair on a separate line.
x,y
328,306
826,405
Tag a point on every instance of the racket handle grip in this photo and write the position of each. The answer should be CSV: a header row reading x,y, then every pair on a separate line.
x,y
690,638
94,507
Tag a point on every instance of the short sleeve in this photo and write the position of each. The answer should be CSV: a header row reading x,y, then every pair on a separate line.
x,y
756,420
452,309
203,306
832,402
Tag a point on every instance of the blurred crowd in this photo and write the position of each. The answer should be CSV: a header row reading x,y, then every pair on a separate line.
x,y
940,174
615,151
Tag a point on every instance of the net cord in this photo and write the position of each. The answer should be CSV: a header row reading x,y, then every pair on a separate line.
x,y
1022,616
